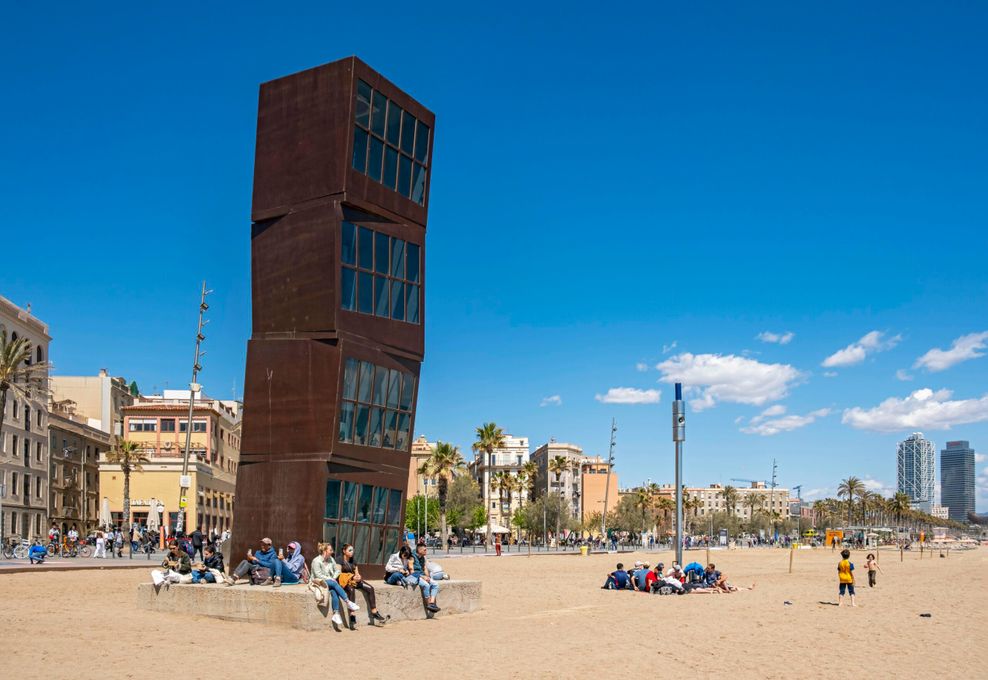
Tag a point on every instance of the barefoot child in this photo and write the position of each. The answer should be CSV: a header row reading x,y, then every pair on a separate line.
x,y
845,576
872,565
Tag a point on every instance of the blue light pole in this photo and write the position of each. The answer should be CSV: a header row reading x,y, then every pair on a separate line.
x,y
679,436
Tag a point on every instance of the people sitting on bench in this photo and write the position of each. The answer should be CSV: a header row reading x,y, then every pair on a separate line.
x,y
422,578
291,569
265,557
399,566
175,568
324,572
351,580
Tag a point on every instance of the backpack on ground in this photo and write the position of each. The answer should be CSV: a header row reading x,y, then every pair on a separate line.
x,y
259,575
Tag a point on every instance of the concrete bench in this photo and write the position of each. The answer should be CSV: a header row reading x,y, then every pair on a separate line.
x,y
293,605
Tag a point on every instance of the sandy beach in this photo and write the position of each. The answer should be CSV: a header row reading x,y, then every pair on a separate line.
x,y
542,617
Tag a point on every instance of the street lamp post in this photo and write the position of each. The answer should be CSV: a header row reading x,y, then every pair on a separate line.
x,y
679,436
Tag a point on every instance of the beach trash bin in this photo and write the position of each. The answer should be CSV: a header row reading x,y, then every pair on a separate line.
x,y
584,550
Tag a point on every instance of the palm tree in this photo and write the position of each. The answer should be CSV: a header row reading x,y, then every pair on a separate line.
x,y
557,466
730,496
899,505
502,481
754,502
643,501
489,438
130,457
17,373
443,464
666,506
850,488
530,471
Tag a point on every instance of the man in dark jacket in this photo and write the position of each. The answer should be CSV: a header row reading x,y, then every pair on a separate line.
x,y
197,542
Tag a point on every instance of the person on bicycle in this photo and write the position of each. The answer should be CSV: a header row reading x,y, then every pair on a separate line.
x,y
53,534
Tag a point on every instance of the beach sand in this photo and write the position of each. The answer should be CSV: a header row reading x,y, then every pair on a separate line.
x,y
542,617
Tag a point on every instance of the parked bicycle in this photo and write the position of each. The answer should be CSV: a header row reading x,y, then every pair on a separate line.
x,y
15,547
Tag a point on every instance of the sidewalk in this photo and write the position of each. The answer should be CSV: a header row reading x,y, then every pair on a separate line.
x,y
76,563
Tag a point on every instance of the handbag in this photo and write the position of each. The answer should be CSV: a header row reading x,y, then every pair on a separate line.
x,y
259,575
345,579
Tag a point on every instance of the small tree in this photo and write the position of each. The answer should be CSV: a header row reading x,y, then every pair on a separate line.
x,y
130,457
489,438
444,462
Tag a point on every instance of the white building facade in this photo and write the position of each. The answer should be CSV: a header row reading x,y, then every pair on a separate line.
x,y
508,458
24,456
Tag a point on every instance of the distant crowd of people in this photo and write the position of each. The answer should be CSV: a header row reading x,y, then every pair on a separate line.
x,y
332,584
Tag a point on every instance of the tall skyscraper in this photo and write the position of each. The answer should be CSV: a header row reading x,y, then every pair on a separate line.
x,y
957,479
917,470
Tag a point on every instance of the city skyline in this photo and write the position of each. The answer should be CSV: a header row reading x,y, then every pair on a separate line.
x,y
804,214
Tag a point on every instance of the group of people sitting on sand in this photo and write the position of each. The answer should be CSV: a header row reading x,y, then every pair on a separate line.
x,y
677,580
333,584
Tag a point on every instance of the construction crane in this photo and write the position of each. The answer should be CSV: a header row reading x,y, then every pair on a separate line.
x,y
799,491
750,481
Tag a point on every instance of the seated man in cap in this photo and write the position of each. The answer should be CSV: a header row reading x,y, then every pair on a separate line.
x,y
265,557
639,576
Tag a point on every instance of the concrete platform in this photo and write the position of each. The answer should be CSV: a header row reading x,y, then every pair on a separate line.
x,y
294,607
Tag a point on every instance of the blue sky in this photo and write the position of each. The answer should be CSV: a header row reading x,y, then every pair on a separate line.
x,y
653,186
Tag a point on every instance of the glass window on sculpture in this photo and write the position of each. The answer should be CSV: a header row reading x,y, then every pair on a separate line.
x,y
380,274
376,405
389,144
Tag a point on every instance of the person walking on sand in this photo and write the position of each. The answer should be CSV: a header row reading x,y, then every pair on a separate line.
x,y
872,565
845,577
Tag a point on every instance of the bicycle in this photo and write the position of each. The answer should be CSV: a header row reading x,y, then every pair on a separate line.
x,y
16,548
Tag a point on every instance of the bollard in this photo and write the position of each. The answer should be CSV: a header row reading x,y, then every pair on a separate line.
x,y
791,553
901,557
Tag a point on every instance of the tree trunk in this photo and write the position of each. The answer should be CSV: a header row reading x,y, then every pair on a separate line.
x,y
125,529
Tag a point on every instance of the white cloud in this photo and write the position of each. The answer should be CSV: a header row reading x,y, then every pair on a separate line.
x,y
830,374
629,395
778,338
770,412
641,367
922,410
554,400
902,375
980,458
815,494
668,348
715,377
881,487
966,347
855,353
767,428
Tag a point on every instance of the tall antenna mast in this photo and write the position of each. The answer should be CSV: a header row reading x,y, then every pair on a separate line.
x,y
184,481
607,483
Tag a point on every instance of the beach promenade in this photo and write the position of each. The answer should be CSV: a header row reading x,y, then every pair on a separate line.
x,y
547,617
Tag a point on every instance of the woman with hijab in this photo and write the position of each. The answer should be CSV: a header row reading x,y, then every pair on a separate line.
x,y
351,580
291,569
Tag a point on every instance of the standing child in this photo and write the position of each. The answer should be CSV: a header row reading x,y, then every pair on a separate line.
x,y
873,569
845,576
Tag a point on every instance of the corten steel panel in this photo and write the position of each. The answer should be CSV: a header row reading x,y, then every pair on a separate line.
x,y
305,142
296,279
303,189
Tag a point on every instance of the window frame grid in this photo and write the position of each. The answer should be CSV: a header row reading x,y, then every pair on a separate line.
x,y
352,302
417,156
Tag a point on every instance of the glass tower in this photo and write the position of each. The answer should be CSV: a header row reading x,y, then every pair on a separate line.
x,y
917,470
957,479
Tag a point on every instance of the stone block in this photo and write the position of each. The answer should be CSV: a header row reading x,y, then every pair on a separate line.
x,y
293,606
